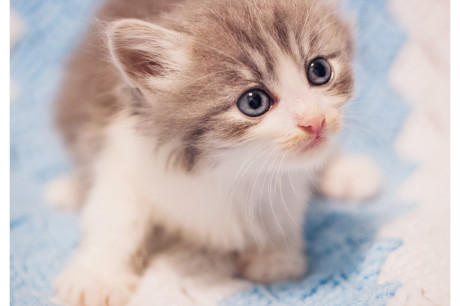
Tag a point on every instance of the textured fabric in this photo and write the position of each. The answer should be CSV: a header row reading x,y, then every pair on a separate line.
x,y
420,73
345,248
41,240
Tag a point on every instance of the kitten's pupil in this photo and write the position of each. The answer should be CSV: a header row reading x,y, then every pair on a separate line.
x,y
319,69
254,100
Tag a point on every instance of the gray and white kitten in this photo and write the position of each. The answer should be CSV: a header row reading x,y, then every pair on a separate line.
x,y
209,120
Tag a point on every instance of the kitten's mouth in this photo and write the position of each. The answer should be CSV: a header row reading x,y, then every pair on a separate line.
x,y
312,144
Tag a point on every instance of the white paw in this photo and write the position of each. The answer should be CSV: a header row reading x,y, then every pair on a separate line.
x,y
351,177
275,266
65,192
81,286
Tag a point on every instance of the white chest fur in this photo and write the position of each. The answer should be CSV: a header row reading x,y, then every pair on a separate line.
x,y
230,206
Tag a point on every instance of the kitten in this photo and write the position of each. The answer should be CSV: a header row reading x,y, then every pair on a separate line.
x,y
206,119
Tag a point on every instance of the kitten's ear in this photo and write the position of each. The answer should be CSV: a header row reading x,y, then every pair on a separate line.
x,y
145,52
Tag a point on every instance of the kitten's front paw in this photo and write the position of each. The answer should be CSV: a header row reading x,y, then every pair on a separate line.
x,y
82,286
274,266
351,177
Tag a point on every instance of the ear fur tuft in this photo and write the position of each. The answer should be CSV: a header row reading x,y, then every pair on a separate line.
x,y
143,50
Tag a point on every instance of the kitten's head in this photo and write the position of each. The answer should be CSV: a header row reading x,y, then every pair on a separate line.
x,y
231,76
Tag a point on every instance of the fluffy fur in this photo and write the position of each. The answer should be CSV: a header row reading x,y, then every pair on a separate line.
x,y
149,113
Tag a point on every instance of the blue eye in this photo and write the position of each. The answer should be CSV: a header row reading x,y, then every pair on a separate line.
x,y
319,71
254,103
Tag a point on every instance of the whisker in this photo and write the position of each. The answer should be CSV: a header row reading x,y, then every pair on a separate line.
x,y
238,178
282,196
203,77
281,192
270,185
290,180
251,189
249,208
220,51
260,200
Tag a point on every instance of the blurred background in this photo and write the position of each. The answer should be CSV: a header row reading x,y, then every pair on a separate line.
x,y
392,250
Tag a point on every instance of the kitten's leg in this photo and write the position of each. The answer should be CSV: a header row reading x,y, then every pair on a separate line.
x,y
114,223
276,262
274,265
351,177
282,256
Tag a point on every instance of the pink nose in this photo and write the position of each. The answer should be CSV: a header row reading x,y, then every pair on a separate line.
x,y
314,126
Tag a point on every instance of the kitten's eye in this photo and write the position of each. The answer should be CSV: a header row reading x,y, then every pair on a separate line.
x,y
319,71
254,103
